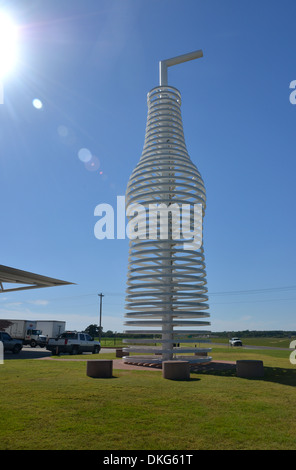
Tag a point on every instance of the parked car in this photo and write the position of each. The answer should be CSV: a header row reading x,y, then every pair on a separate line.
x,y
235,342
73,342
10,344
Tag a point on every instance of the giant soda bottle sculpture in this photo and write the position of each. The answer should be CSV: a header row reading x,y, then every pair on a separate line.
x,y
166,297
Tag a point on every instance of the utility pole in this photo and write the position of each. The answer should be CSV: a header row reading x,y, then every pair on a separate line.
x,y
100,325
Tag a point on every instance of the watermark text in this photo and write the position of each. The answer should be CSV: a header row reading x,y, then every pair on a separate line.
x,y
293,93
157,221
293,353
1,353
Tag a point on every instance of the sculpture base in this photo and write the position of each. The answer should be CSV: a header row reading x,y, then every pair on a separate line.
x,y
159,360
176,370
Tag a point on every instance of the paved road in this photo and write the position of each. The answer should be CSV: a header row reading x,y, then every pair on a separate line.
x,y
38,353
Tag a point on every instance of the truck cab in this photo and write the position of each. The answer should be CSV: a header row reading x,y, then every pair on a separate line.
x,y
34,337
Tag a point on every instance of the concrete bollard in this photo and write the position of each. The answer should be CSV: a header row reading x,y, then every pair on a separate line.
x,y
249,369
176,370
99,369
119,353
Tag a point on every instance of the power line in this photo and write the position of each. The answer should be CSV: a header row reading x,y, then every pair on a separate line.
x,y
100,325
254,291
251,301
221,293
234,292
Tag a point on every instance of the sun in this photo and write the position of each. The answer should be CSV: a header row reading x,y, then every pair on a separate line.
x,y
8,44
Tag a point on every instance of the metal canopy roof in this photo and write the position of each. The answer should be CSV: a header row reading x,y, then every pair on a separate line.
x,y
26,279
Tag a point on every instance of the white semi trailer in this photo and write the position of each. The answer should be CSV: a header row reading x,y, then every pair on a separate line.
x,y
35,332
51,328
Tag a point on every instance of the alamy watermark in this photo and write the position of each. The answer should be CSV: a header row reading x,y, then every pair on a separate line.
x,y
293,353
293,93
1,353
155,222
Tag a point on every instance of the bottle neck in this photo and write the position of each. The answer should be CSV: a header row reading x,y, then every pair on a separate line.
x,y
164,128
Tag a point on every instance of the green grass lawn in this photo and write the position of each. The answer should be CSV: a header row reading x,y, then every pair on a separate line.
x,y
52,404
110,342
256,341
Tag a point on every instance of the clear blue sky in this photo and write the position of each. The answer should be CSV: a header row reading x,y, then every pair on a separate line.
x,y
91,63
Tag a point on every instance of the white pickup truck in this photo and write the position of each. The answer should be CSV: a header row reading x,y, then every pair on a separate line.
x,y
73,342
235,342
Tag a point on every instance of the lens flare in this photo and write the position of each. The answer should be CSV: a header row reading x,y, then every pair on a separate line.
x,y
8,44
37,103
93,164
84,155
63,131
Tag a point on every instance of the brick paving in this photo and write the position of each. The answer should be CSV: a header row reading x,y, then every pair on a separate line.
x,y
119,364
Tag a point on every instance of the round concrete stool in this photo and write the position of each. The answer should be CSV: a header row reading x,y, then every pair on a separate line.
x,y
249,369
176,370
99,369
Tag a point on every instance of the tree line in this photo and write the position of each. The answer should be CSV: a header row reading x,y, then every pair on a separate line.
x,y
254,334
94,330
